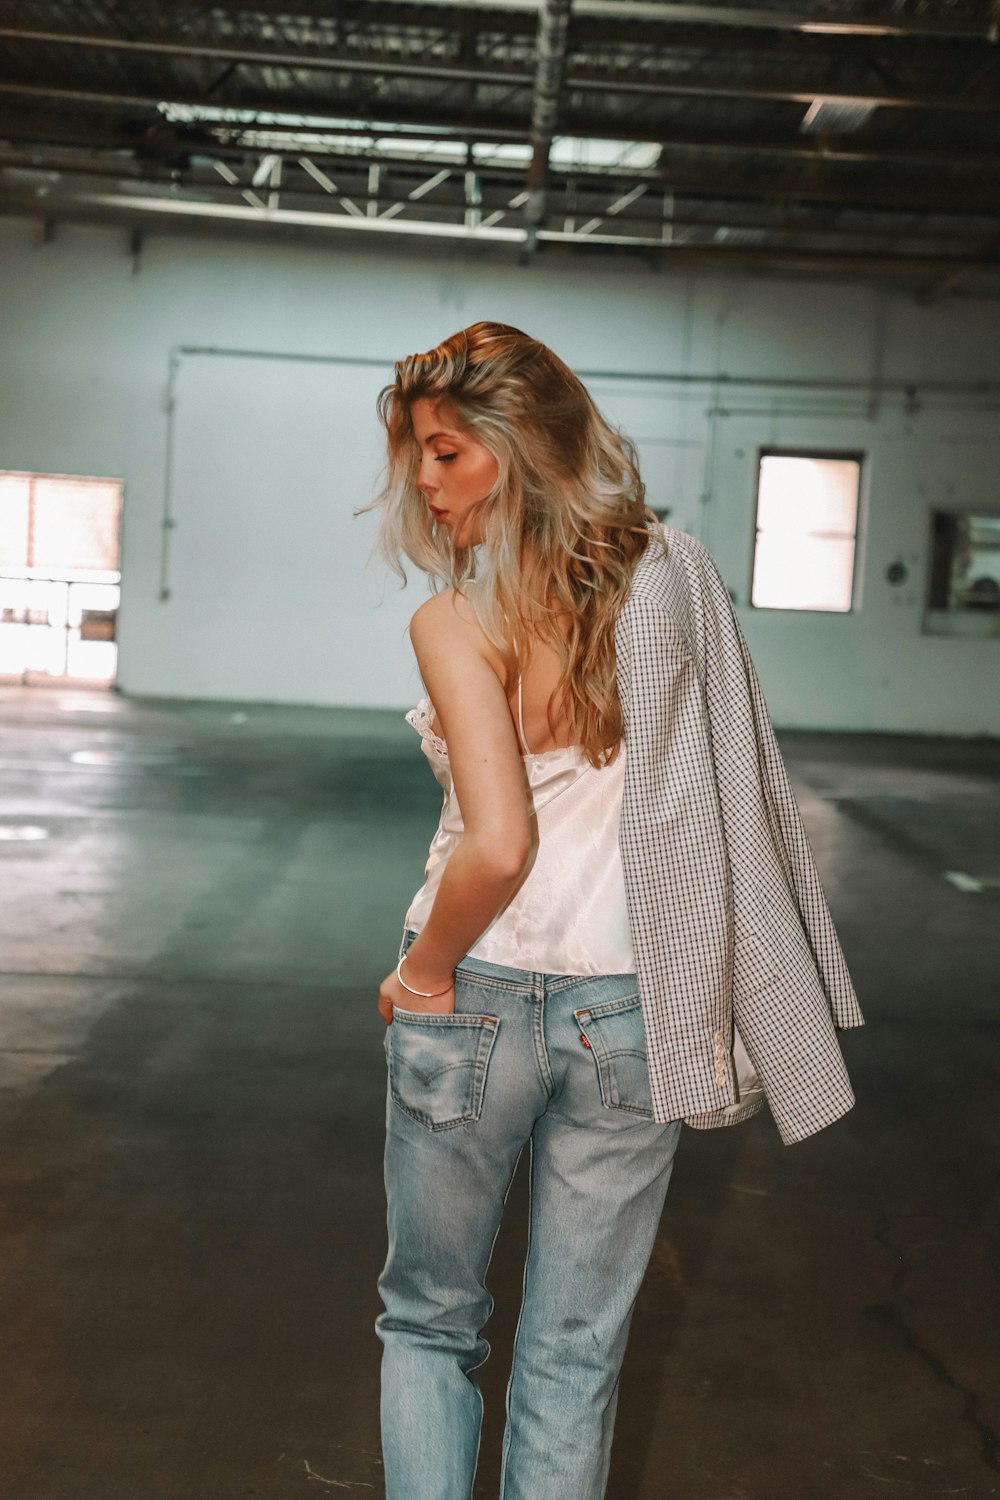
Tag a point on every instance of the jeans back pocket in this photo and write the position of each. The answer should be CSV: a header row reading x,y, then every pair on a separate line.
x,y
616,1036
438,1065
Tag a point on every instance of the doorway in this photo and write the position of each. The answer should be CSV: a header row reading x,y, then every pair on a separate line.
x,y
60,578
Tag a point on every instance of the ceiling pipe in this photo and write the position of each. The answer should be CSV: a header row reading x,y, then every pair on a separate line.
x,y
69,171
259,57
144,211
947,195
553,31
549,26
757,18
174,137
706,203
669,13
587,83
17,168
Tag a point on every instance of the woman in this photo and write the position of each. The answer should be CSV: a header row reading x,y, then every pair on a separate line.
x,y
541,995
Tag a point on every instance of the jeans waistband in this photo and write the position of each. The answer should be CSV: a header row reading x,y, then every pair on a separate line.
x,y
519,979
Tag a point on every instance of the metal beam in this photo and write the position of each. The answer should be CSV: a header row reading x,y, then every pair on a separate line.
x,y
588,81
171,139
257,57
696,175
59,180
146,210
736,196
553,28
768,20
804,19
715,206
69,174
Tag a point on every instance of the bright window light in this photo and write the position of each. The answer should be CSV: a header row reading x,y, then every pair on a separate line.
x,y
59,575
807,516
575,151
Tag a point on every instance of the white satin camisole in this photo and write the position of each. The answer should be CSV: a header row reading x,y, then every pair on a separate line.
x,y
569,915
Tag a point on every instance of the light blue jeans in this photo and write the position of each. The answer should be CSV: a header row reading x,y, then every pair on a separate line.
x,y
558,1061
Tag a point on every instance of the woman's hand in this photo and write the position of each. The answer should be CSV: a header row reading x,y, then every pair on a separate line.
x,y
392,993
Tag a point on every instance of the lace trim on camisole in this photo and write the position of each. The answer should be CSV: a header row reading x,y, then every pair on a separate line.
x,y
420,718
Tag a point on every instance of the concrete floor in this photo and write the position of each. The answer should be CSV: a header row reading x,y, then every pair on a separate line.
x,y
191,1106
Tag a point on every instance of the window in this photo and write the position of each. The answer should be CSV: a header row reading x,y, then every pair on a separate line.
x,y
807,520
964,587
59,576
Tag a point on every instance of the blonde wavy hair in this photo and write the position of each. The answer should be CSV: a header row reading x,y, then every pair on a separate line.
x,y
568,485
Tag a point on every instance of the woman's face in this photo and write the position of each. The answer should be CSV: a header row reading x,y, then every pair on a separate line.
x,y
455,469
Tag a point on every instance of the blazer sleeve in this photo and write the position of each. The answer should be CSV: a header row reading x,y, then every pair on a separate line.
x,y
676,867
789,839
793,842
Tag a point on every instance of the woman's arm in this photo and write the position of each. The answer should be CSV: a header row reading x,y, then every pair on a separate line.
x,y
489,862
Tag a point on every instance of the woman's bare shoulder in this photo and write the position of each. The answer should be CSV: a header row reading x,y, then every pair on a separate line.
x,y
448,618
448,612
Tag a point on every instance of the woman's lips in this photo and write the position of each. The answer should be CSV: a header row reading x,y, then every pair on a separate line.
x,y
438,514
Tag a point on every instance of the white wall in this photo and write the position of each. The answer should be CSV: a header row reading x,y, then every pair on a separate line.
x,y
269,592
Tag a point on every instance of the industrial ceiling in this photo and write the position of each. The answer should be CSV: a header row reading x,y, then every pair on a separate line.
x,y
854,138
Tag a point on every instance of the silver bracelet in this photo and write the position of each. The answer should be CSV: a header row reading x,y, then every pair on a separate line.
x,y
424,994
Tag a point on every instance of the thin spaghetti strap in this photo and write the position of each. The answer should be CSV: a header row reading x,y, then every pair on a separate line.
x,y
520,717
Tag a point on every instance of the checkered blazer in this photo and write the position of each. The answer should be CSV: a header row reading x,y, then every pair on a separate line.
x,y
736,953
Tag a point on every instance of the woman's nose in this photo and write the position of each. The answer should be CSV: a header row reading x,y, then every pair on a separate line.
x,y
425,482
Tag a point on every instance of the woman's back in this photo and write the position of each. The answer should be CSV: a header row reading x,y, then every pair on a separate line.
x,y
535,695
538,682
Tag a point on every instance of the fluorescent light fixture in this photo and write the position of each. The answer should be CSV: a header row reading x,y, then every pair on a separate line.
x,y
742,235
846,28
836,116
593,151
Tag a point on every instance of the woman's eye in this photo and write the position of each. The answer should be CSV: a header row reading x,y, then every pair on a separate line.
x,y
445,458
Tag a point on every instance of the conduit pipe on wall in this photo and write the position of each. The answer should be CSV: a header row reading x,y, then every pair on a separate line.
x,y
167,520
911,390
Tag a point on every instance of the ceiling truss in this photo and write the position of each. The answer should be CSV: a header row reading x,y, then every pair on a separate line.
x,y
852,137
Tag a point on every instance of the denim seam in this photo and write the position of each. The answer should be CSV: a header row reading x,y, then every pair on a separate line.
x,y
508,1431
538,1036
491,982
563,982
609,1007
444,1017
